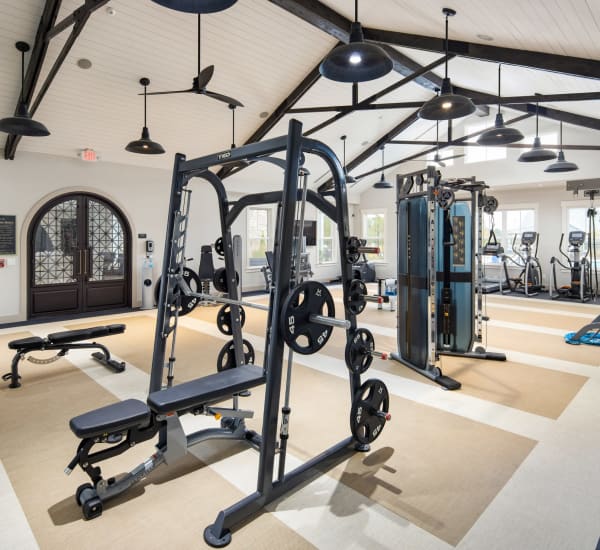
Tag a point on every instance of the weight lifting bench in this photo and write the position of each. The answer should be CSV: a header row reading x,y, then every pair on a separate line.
x,y
124,424
63,342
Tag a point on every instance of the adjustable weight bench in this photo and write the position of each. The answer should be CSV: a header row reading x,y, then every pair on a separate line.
x,y
63,342
124,424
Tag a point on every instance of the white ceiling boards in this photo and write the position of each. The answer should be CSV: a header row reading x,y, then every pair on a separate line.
x,y
264,50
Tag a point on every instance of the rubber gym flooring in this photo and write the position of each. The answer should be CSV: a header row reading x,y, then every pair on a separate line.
x,y
509,461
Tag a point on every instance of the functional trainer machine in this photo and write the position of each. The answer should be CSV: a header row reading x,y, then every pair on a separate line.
x,y
529,281
62,343
580,270
439,312
300,315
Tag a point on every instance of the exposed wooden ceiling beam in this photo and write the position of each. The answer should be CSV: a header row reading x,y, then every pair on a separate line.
x,y
46,31
565,64
441,145
457,143
374,147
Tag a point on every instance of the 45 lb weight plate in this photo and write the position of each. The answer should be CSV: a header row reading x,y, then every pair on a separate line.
x,y
369,411
226,358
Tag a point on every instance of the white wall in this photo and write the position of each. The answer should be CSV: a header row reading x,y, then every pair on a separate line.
x,y
32,179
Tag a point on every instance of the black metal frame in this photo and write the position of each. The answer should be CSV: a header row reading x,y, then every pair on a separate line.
x,y
336,207
405,190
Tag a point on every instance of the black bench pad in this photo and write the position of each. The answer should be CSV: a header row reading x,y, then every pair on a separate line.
x,y
27,344
112,418
204,390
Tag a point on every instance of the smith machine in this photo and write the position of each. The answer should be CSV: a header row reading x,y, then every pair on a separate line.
x,y
440,269
300,315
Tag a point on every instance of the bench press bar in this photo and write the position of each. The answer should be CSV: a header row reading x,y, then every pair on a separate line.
x,y
314,318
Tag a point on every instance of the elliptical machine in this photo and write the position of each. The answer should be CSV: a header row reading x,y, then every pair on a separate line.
x,y
580,269
529,281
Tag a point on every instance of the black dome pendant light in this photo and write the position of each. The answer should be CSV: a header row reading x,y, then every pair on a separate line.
x,y
382,183
448,105
500,134
144,145
197,6
561,165
537,153
22,124
357,61
349,178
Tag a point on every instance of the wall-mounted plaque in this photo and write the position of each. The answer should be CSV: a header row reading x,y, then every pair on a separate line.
x,y
8,234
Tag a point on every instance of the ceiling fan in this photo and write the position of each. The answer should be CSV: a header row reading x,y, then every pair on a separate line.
x,y
201,81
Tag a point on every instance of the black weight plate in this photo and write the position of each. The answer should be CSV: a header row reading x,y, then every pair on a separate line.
x,y
298,331
220,281
224,321
355,299
369,410
188,303
219,247
352,253
226,357
358,351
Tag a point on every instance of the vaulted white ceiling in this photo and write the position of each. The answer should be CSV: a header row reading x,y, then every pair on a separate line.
x,y
261,53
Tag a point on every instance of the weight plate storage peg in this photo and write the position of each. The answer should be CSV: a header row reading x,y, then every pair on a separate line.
x,y
224,321
188,303
299,332
359,351
369,411
226,357
355,299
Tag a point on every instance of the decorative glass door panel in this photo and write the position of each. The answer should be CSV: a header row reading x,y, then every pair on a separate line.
x,y
79,257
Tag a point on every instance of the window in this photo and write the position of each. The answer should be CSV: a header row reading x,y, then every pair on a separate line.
x,y
373,230
325,239
258,225
482,154
508,222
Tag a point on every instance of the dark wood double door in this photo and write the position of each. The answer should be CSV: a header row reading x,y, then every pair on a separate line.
x,y
79,257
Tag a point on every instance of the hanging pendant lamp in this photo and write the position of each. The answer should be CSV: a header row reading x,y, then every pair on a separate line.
x,y
144,145
500,134
537,153
561,165
448,105
197,6
21,124
357,61
382,183
349,178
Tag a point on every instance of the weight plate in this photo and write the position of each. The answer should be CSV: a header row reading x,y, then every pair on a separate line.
x,y
219,247
369,411
352,253
299,332
358,351
188,303
220,281
224,321
355,299
226,358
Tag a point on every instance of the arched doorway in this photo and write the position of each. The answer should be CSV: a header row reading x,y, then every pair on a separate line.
x,y
79,256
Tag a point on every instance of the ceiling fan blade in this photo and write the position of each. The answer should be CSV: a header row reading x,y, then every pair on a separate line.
x,y
171,92
205,76
223,98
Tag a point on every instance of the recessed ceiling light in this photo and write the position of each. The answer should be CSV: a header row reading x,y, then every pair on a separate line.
x,y
364,143
486,37
84,63
264,114
111,11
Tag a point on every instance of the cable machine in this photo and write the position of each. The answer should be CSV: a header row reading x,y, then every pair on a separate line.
x,y
439,271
